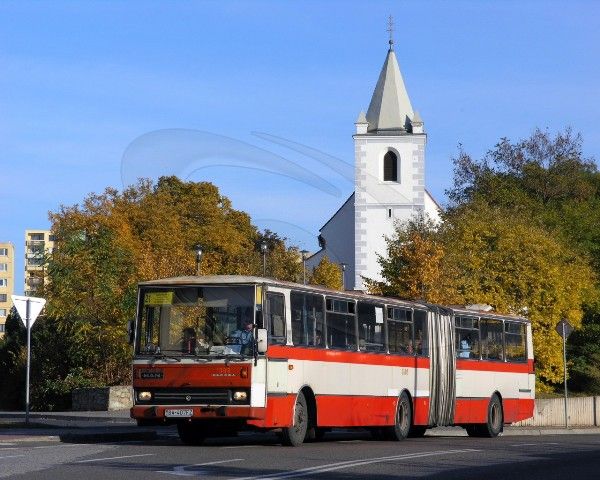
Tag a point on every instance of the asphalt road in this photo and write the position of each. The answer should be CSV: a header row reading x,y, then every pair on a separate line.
x,y
340,456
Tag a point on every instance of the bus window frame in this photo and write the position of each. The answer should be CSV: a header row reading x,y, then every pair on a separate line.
x,y
354,315
426,312
323,332
502,321
384,350
267,314
412,330
522,324
478,330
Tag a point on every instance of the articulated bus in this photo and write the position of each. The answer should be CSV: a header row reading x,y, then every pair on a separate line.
x,y
218,354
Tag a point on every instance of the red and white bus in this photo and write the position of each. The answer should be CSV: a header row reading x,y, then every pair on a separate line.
x,y
218,354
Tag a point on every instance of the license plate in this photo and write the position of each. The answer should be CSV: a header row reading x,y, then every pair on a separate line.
x,y
179,412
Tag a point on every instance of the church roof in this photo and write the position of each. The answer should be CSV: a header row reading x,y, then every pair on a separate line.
x,y
390,107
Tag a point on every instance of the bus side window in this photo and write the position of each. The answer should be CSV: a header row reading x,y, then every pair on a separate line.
x,y
340,322
466,336
300,330
370,328
276,318
492,339
421,333
515,341
400,331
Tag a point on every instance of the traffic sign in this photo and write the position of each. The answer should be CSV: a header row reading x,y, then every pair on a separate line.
x,y
564,328
36,305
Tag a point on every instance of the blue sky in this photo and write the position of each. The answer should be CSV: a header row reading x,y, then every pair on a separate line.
x,y
83,85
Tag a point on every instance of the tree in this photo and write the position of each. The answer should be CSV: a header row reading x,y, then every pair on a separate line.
x,y
327,274
412,268
110,242
547,179
485,255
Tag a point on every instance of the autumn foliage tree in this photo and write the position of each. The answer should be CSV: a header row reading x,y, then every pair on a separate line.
x,y
327,274
522,234
114,240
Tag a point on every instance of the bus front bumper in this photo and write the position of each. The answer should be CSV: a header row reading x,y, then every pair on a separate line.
x,y
182,412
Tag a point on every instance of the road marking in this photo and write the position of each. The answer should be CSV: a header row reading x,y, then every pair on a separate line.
x,y
181,470
352,463
12,456
115,458
4,444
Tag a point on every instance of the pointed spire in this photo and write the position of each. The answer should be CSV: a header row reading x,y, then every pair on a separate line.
x,y
390,107
361,118
417,118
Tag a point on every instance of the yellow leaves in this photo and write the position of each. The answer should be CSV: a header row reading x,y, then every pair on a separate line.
x,y
327,274
486,255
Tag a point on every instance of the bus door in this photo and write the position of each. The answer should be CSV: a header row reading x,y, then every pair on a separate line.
x,y
421,393
275,323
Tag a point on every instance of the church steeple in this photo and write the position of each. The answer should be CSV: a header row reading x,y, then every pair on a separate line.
x,y
390,107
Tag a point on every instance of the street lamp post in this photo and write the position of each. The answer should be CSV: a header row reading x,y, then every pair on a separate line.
x,y
263,248
198,250
343,265
304,254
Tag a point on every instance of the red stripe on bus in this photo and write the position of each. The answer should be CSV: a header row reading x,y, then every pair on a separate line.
x,y
494,366
329,355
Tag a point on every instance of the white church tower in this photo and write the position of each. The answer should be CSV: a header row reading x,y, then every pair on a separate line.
x,y
389,185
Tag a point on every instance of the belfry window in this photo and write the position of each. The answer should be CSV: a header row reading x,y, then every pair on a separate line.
x,y
390,167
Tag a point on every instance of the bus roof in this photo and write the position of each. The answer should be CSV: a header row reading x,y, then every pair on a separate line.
x,y
252,280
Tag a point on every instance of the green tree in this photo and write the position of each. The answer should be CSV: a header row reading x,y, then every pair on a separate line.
x,y
327,274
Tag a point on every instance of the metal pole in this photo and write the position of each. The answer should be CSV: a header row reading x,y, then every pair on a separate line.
x,y
27,321
303,270
565,371
264,264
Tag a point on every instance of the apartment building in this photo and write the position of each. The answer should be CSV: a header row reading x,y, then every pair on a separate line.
x,y
7,281
38,245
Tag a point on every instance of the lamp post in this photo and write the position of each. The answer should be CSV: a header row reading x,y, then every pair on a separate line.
x,y
263,248
198,250
343,265
304,254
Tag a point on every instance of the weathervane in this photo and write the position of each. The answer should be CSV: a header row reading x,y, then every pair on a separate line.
x,y
391,30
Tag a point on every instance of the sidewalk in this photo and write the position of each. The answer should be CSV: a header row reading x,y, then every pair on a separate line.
x,y
80,427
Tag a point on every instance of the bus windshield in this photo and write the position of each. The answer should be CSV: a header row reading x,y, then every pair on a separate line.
x,y
196,321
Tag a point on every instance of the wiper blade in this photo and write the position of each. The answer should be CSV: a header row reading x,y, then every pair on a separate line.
x,y
167,357
235,358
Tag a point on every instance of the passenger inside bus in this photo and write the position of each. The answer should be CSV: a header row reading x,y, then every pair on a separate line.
x,y
465,347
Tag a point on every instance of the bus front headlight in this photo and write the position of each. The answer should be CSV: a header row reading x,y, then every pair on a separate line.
x,y
240,396
144,396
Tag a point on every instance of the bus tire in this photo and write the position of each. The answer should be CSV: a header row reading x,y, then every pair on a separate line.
x,y
402,419
494,423
495,419
191,433
294,436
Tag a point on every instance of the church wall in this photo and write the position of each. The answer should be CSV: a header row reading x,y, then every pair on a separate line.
x,y
339,241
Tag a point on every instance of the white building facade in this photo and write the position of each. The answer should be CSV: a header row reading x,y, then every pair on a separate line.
x,y
389,185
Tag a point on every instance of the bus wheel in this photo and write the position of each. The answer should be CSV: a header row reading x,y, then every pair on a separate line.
x,y
191,433
294,436
403,421
494,424
495,419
